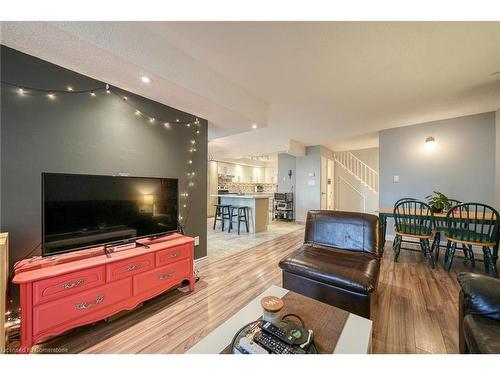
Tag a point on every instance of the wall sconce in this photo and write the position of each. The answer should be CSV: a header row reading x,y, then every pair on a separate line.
x,y
148,199
430,143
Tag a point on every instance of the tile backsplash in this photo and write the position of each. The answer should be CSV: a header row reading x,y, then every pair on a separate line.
x,y
250,187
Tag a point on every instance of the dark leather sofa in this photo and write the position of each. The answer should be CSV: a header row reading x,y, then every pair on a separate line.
x,y
339,262
479,314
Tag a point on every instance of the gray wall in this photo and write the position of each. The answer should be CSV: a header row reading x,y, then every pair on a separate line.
x,y
462,165
79,133
285,164
308,181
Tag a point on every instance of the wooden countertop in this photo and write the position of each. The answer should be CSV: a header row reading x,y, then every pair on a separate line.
x,y
472,215
244,196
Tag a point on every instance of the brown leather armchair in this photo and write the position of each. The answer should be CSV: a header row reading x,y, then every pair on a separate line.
x,y
479,314
339,262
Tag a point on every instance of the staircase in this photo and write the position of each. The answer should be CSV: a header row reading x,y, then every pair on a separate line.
x,y
359,169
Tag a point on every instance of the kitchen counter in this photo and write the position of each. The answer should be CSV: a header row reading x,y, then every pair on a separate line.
x,y
258,209
244,196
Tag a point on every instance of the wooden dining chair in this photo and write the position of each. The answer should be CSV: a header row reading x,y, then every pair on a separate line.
x,y
414,219
402,240
473,224
440,227
404,199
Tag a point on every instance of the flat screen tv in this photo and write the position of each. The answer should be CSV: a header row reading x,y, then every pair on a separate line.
x,y
81,211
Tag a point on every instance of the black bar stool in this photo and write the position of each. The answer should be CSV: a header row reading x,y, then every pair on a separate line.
x,y
242,214
222,213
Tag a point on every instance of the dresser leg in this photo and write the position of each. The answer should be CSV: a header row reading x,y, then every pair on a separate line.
x,y
24,349
192,281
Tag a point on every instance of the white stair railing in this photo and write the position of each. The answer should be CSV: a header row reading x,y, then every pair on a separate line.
x,y
359,169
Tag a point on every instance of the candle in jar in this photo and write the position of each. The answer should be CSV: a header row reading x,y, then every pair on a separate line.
x,y
271,306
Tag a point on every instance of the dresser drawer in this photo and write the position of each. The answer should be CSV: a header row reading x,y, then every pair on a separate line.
x,y
129,267
162,277
68,284
172,255
85,305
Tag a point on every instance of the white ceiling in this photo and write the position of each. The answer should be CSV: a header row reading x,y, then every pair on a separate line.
x,y
330,83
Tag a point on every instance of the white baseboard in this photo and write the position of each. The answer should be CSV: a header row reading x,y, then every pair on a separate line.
x,y
202,259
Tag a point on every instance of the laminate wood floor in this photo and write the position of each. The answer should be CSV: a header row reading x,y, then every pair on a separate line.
x,y
417,307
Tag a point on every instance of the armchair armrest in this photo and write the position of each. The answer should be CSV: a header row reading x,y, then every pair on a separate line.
x,y
481,295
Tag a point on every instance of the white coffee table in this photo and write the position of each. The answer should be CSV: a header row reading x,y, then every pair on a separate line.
x,y
355,336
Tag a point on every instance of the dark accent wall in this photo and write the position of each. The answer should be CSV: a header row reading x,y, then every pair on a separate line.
x,y
79,133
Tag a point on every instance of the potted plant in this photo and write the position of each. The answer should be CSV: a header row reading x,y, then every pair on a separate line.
x,y
438,201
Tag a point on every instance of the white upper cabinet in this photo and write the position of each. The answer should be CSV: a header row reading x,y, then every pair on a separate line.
x,y
247,174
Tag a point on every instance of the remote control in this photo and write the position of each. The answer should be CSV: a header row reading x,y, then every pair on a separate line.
x,y
273,344
278,332
251,347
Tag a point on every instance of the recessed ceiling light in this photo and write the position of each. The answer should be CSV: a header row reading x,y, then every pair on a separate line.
x,y
254,126
145,79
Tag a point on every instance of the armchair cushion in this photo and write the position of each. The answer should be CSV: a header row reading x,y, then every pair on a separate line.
x,y
481,295
353,231
350,270
482,334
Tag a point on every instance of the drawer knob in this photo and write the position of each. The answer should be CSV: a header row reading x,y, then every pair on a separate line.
x,y
174,255
73,284
133,267
165,276
88,305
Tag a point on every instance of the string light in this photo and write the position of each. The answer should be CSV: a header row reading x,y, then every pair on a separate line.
x,y
52,95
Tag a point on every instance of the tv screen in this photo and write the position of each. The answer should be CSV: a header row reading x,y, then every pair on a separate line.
x,y
80,211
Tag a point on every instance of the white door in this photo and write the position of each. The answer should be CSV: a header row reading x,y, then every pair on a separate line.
x,y
329,191
324,182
